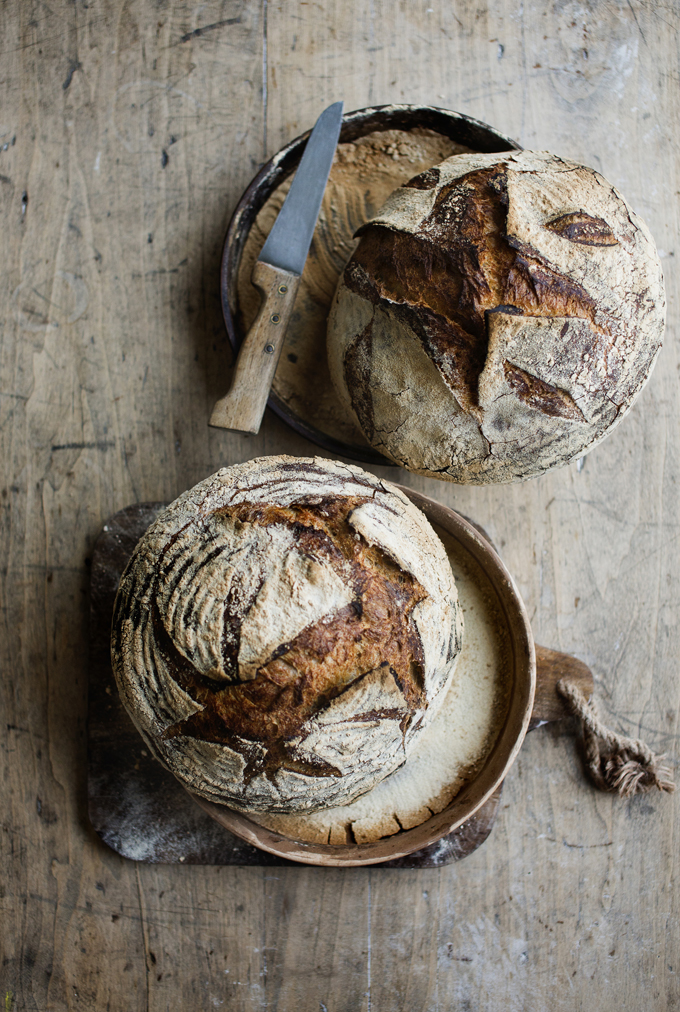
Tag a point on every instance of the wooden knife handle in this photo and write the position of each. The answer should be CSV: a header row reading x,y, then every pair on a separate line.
x,y
243,406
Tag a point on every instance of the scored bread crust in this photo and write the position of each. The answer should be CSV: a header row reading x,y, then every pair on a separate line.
x,y
499,316
283,633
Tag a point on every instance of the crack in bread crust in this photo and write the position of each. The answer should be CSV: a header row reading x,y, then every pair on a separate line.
x,y
442,280
301,677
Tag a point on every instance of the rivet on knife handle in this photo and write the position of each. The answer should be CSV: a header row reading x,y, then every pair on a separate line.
x,y
243,406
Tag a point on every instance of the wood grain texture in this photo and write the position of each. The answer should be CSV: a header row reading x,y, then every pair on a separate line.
x,y
551,666
127,133
242,407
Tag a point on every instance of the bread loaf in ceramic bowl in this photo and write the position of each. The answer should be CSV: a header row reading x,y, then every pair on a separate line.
x,y
284,632
498,317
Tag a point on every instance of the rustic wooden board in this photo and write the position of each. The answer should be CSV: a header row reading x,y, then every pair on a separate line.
x,y
132,130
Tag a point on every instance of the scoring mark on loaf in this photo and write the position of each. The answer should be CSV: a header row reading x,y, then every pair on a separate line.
x,y
583,228
538,394
350,603
444,278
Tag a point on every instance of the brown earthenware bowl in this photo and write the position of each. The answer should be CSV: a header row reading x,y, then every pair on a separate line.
x,y
476,792
457,127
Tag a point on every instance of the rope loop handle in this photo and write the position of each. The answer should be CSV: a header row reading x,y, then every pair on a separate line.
x,y
616,763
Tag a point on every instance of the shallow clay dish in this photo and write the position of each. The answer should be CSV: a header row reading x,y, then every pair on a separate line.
x,y
521,714
380,148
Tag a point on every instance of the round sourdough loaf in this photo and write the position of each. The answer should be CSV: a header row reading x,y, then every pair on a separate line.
x,y
498,317
283,633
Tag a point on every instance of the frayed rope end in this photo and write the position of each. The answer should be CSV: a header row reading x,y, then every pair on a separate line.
x,y
628,776
625,766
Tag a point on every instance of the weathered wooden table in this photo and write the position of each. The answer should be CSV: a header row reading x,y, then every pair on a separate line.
x,y
127,133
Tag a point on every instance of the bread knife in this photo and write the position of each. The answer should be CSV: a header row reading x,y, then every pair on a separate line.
x,y
277,274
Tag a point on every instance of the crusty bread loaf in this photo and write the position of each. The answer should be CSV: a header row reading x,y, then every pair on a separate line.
x,y
283,633
455,745
499,316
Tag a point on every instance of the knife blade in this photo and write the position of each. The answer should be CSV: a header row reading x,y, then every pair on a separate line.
x,y
277,274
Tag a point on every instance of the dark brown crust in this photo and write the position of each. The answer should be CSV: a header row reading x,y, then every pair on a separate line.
x,y
207,726
443,281
537,394
375,631
583,228
424,180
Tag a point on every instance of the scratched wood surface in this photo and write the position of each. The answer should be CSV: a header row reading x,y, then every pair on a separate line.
x,y
127,132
